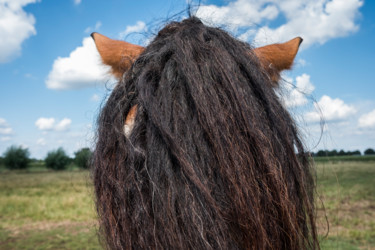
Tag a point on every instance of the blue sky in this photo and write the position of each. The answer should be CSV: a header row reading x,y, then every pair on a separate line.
x,y
52,84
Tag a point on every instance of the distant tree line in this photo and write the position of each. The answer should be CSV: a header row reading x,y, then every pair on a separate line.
x,y
19,158
334,152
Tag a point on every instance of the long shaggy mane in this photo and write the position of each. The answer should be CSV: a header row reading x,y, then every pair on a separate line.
x,y
214,160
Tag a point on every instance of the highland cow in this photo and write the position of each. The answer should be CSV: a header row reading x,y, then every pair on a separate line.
x,y
196,151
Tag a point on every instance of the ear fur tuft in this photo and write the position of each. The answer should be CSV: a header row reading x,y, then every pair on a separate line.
x,y
117,54
278,57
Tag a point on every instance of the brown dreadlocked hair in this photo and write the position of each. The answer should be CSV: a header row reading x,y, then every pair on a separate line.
x,y
214,160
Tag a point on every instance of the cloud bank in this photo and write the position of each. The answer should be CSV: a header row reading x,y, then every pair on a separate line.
x,y
333,110
82,68
49,124
15,27
317,21
367,120
296,95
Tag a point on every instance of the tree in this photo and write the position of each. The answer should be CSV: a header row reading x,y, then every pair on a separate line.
x,y
16,158
321,153
356,152
82,158
332,153
57,160
341,153
369,151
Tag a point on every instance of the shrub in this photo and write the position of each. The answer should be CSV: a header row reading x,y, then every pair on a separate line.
x,y
369,151
82,158
16,158
57,160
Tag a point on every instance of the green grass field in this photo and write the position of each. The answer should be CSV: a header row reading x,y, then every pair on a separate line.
x,y
40,209
347,200
346,158
47,210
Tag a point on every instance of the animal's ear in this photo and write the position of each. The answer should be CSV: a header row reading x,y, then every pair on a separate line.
x,y
278,57
117,54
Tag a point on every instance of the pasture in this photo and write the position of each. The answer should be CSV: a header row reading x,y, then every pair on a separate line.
x,y
42,209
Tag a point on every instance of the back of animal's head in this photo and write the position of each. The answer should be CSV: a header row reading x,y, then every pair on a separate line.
x,y
120,55
209,155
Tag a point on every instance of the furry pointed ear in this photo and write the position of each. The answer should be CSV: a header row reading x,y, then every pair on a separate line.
x,y
278,57
117,54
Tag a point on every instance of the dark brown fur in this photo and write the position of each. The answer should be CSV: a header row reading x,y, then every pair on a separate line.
x,y
214,161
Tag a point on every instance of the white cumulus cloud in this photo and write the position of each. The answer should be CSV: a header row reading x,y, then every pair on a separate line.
x,y
296,95
138,27
367,120
331,109
83,68
5,129
317,21
47,124
63,125
240,13
15,27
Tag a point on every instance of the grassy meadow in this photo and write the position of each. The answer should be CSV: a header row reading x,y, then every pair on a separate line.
x,y
42,209
347,202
